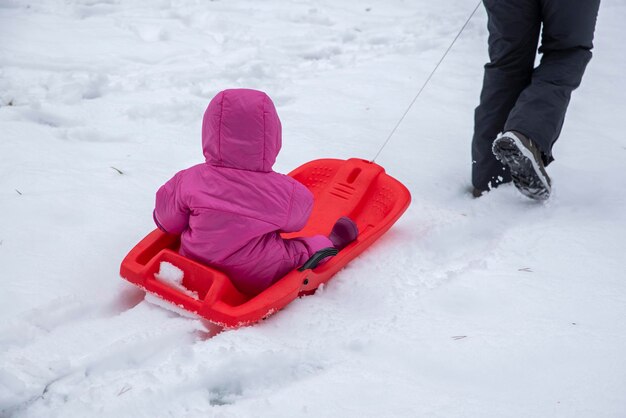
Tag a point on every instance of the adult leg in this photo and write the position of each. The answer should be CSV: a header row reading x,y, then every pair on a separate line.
x,y
514,27
566,43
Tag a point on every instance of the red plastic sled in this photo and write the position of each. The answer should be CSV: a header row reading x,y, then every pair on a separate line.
x,y
356,188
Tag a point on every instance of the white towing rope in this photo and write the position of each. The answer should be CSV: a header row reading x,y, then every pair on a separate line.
x,y
427,80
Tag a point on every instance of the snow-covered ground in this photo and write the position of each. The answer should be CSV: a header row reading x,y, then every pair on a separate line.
x,y
491,307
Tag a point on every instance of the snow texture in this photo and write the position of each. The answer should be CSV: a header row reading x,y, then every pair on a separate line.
x,y
490,307
173,277
170,274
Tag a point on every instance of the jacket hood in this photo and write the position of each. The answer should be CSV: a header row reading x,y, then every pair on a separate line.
x,y
241,130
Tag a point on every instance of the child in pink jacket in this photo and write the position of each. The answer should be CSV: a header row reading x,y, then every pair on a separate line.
x,y
231,209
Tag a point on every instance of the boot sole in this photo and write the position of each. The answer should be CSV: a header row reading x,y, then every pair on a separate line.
x,y
526,173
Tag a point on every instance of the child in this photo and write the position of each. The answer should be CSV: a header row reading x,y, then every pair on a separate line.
x,y
231,209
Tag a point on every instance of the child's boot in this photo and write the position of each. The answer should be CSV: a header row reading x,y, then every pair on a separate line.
x,y
344,232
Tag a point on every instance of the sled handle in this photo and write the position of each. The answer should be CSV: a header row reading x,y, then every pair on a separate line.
x,y
316,258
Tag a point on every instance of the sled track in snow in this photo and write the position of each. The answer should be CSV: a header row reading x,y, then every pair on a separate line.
x,y
64,346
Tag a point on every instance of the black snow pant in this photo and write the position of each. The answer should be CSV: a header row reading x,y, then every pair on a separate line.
x,y
515,95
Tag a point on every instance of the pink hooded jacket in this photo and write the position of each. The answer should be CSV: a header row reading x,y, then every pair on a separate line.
x,y
230,210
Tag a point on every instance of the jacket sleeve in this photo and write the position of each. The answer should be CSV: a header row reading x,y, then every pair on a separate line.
x,y
171,214
300,208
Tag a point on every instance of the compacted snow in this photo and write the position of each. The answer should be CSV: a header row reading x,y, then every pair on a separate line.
x,y
490,307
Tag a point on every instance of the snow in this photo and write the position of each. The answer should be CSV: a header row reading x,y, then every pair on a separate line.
x,y
490,307
173,276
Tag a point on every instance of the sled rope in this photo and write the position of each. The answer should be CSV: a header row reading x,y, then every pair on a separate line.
x,y
427,80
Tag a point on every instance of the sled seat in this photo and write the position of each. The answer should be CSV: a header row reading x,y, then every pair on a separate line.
x,y
356,188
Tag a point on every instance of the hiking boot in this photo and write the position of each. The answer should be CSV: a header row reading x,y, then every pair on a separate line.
x,y
525,163
344,232
477,192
